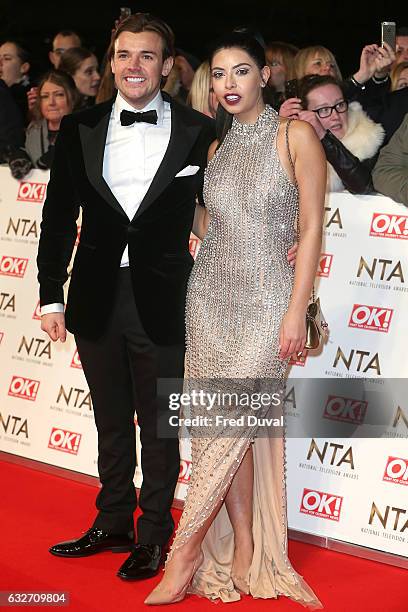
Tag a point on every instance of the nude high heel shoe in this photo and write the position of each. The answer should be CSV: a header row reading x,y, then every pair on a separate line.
x,y
159,596
240,583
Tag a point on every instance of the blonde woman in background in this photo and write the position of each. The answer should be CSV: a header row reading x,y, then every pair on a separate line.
x,y
201,95
316,60
399,76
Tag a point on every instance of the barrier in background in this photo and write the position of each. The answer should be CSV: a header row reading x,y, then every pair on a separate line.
x,y
349,482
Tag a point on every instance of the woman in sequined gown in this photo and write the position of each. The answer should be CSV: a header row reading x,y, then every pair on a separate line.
x,y
245,316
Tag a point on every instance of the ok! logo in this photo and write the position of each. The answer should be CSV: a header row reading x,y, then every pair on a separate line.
x,y
13,266
396,470
24,388
325,263
389,226
374,318
64,440
76,361
321,504
185,471
31,192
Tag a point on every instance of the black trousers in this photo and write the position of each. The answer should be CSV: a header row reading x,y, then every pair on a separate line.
x,y
122,369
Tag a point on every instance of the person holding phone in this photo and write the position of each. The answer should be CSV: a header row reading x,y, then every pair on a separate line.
x,y
368,84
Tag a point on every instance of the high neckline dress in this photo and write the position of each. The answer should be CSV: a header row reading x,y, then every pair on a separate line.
x,y
238,293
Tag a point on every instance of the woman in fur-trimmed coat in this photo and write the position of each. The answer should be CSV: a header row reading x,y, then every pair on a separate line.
x,y
351,139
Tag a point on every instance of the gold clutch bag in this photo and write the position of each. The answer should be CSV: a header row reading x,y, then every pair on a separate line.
x,y
316,326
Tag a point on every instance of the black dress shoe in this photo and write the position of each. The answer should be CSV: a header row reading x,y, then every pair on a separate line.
x,y
94,541
144,562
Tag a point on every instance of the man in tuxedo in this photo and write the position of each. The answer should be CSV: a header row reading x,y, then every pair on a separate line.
x,y
134,166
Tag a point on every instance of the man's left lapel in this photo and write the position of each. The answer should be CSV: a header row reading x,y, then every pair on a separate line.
x,y
182,138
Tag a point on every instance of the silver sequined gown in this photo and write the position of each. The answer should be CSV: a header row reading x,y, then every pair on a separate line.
x,y
238,292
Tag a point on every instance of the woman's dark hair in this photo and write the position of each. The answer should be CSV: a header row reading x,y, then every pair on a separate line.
x,y
72,58
246,41
312,81
62,79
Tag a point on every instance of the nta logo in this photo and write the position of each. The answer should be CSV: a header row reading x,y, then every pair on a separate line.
x,y
14,425
397,518
340,454
7,302
361,361
26,228
381,269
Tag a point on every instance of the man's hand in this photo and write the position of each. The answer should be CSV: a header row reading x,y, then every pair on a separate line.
x,y
292,254
54,325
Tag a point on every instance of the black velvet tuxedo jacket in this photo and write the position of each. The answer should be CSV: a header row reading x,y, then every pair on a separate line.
x,y
158,234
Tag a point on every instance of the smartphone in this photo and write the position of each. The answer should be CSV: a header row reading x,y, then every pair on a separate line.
x,y
125,11
291,89
388,33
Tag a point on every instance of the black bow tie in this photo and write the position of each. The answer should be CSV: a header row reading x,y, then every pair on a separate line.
x,y
129,118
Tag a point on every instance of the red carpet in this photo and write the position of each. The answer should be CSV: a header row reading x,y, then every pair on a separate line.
x,y
38,510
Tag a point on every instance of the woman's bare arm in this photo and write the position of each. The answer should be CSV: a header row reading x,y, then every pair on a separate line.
x,y
310,170
201,215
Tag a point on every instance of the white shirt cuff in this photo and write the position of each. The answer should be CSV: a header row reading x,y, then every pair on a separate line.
x,y
49,308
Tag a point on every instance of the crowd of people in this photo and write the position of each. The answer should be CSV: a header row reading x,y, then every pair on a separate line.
x,y
354,117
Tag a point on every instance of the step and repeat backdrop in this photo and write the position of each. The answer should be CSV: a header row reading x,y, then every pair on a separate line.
x,y
346,406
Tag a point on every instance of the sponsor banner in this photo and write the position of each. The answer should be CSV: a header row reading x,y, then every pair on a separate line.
x,y
348,488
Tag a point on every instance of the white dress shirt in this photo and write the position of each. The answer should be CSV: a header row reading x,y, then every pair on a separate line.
x,y
132,157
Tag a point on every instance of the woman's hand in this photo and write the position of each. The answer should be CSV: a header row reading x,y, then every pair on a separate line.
x,y
32,95
367,64
384,61
290,108
313,119
375,61
292,335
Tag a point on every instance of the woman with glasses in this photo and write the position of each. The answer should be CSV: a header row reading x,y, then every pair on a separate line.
x,y
350,139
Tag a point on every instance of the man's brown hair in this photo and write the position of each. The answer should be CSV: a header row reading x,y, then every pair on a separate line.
x,y
145,22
